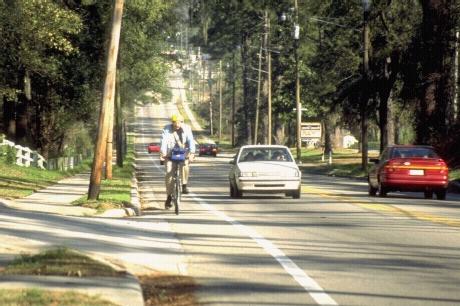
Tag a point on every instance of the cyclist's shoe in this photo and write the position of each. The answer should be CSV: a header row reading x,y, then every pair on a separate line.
x,y
168,204
184,189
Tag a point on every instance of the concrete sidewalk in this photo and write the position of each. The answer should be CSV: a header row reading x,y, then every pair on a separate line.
x,y
57,199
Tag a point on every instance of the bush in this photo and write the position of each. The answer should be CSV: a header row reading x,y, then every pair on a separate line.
x,y
448,148
10,155
371,145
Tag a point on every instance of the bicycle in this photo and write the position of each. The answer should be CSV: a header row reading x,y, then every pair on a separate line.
x,y
177,182
178,157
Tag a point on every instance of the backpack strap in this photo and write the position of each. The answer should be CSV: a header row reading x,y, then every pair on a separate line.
x,y
178,141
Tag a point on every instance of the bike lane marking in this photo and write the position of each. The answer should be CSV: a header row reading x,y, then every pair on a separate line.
x,y
385,208
308,283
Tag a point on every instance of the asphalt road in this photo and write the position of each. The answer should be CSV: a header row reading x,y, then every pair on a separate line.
x,y
335,245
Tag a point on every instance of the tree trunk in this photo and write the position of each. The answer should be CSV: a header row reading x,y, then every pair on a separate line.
x,y
385,118
327,137
9,118
438,53
391,122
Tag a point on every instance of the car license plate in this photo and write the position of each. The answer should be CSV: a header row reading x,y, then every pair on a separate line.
x,y
416,172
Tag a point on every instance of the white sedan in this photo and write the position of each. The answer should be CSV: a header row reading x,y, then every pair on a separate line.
x,y
264,169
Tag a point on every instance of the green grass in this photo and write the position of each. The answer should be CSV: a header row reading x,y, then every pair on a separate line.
x,y
342,170
114,193
59,261
226,145
37,297
18,182
454,174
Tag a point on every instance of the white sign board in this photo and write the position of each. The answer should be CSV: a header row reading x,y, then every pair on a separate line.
x,y
310,130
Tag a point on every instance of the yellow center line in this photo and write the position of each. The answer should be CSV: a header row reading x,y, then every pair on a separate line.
x,y
384,208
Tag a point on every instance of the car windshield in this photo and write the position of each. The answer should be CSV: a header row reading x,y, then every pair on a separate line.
x,y
414,152
265,154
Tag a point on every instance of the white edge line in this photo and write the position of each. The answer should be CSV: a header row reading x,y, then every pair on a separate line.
x,y
308,283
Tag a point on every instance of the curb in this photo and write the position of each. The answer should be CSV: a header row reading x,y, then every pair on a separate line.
x,y
135,196
124,290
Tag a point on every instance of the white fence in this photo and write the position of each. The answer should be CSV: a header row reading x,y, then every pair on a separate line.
x,y
64,163
26,157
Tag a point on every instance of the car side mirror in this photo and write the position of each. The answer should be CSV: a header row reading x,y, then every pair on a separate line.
x,y
232,162
374,160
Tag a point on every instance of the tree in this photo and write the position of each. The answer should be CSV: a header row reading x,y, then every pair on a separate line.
x,y
437,58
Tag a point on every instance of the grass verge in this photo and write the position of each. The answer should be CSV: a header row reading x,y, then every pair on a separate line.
x,y
116,192
158,289
18,182
38,297
59,261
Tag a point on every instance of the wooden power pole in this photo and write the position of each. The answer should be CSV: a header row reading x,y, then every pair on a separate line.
x,y
297,85
269,76
220,101
119,125
109,147
107,104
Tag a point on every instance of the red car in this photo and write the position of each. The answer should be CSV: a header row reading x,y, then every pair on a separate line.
x,y
153,147
409,168
208,149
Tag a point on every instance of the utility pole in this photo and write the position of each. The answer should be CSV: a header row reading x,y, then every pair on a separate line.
x,y
256,129
456,115
107,100
210,96
297,82
109,147
118,124
220,100
233,99
365,89
269,77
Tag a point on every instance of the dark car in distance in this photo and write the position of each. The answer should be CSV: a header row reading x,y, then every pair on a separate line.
x,y
409,168
208,149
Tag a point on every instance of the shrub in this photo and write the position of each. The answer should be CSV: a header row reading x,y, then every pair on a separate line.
x,y
10,155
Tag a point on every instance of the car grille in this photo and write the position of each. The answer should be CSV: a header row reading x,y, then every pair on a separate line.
x,y
268,185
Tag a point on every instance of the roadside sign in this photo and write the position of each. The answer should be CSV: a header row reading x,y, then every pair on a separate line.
x,y
310,133
310,130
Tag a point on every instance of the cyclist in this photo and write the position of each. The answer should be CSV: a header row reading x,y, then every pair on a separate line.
x,y
177,134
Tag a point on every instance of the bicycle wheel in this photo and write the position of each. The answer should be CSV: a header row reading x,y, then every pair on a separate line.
x,y
177,192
